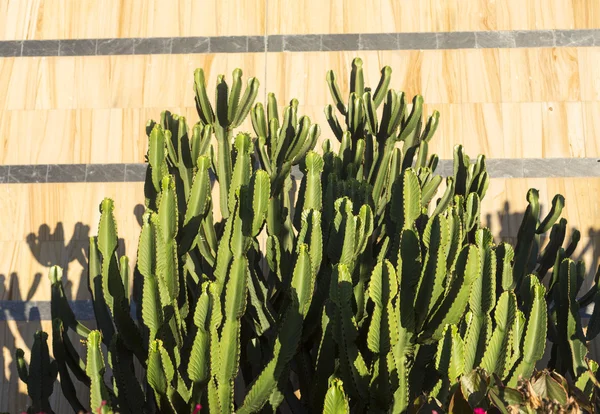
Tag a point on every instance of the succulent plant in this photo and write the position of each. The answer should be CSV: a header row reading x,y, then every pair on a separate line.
x,y
363,290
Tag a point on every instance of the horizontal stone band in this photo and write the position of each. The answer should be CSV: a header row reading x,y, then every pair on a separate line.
x,y
302,43
26,311
106,173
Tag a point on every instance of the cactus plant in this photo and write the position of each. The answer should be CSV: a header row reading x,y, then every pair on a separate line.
x,y
365,292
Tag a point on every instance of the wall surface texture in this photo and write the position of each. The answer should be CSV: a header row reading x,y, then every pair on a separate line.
x,y
517,80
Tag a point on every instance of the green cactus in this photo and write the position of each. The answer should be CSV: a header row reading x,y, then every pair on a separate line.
x,y
356,288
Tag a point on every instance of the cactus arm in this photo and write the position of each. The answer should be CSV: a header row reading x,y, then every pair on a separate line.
x,y
263,314
430,287
314,191
352,365
430,189
587,381
409,126
575,237
449,361
314,131
406,200
260,188
221,100
333,122
402,394
235,305
152,312
246,102
364,229
472,212
299,139
430,127
242,169
172,157
446,198
224,168
558,203
325,359
200,142
285,134
394,109
216,318
129,333
265,161
290,333
380,172
383,289
184,160
101,312
234,94
572,339
455,226
356,115
160,375
60,354
514,345
411,198
481,302
548,257
372,123
59,306
21,365
408,270
336,401
197,204
461,164
156,155
357,81
130,395
455,302
525,237
124,272
534,340
112,285
382,86
166,231
259,121
95,370
205,110
505,255
224,254
495,355
336,94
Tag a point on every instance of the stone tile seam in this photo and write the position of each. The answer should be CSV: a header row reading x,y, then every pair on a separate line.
x,y
314,42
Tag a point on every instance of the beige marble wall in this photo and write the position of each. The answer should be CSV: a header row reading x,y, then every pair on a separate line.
x,y
73,19
93,109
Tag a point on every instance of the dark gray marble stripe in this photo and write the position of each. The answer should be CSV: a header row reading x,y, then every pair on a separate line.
x,y
136,172
21,311
302,43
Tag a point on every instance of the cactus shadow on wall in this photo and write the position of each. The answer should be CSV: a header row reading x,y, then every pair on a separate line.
x,y
49,246
27,323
